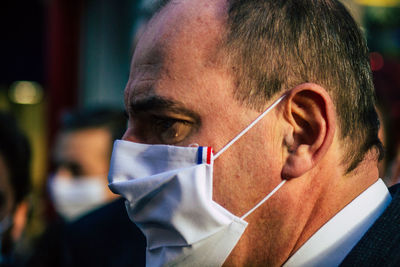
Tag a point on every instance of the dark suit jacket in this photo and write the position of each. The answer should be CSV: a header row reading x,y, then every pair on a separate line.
x,y
105,237
380,246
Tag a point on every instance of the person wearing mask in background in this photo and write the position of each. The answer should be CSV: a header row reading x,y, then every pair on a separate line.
x,y
81,158
297,187
105,237
15,184
95,219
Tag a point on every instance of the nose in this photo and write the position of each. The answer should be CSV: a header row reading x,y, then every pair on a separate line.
x,y
63,173
130,136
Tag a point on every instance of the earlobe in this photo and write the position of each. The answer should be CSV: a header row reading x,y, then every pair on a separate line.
x,y
310,113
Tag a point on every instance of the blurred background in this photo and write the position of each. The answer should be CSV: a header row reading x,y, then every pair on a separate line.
x,y
57,56
60,55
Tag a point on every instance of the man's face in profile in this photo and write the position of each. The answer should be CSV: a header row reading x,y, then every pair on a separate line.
x,y
180,92
201,67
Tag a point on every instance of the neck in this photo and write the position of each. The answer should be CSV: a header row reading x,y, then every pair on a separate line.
x,y
307,204
339,191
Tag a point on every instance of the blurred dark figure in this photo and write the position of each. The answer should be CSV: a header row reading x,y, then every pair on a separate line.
x,y
93,228
389,168
395,168
387,84
15,156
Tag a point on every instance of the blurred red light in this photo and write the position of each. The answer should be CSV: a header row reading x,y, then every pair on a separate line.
x,y
376,61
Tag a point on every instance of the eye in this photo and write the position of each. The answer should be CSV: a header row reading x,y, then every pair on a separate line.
x,y
171,131
72,168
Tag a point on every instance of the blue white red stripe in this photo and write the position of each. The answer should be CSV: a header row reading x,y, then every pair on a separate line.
x,y
204,155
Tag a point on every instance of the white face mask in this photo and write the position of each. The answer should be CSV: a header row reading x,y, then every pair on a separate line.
x,y
169,197
73,197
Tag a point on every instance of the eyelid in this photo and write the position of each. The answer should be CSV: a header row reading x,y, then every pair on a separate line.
x,y
173,118
156,105
144,116
165,126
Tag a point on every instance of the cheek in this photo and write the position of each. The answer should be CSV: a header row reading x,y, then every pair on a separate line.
x,y
243,175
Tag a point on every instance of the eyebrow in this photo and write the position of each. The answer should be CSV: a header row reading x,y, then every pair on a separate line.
x,y
161,104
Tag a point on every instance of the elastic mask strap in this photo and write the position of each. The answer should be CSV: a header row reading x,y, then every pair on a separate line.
x,y
248,127
264,199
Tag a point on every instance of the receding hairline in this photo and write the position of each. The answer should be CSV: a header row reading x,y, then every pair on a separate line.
x,y
192,18
162,4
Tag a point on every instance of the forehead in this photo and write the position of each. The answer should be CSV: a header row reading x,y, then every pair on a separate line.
x,y
180,43
194,25
79,143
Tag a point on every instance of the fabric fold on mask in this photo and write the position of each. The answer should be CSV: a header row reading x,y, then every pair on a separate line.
x,y
181,199
124,164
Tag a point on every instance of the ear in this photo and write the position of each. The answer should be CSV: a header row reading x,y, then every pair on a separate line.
x,y
310,113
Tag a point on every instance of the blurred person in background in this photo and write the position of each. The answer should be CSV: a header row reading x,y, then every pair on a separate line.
x,y
93,222
104,237
81,158
15,157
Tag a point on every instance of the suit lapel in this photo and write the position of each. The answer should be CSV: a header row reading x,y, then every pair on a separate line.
x,y
380,246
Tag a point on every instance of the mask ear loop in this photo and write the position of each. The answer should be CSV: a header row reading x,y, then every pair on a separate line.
x,y
248,127
240,135
263,200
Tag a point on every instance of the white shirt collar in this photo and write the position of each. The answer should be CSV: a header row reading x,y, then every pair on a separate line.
x,y
334,240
